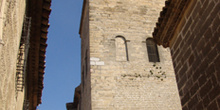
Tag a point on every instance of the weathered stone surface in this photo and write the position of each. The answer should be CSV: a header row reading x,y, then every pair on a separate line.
x,y
125,84
195,51
11,20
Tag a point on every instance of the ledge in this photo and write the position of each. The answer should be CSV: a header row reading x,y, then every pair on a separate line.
x,y
39,11
168,21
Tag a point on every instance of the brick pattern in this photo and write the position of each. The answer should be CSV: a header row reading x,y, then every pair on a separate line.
x,y
196,56
135,84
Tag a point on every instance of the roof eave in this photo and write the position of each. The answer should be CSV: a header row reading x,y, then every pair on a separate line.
x,y
39,11
168,21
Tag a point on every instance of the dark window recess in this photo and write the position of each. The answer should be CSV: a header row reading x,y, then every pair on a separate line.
x,y
152,50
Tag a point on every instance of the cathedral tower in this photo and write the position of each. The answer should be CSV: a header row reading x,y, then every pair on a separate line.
x,y
122,67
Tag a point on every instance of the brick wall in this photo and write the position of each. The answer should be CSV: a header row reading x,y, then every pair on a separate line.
x,y
196,56
118,83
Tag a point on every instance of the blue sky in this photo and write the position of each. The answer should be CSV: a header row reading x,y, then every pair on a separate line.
x,y
62,73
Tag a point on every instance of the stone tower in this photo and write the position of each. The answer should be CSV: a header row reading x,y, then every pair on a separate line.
x,y
122,68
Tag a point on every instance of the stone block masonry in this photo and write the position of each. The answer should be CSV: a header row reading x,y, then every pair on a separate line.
x,y
126,80
195,45
12,13
196,56
85,97
23,35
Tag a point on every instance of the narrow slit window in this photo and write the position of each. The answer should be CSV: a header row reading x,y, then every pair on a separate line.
x,y
121,49
152,50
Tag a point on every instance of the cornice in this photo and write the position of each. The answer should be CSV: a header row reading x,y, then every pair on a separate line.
x,y
168,21
39,11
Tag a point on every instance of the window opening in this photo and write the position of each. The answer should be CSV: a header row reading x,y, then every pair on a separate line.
x,y
121,49
152,50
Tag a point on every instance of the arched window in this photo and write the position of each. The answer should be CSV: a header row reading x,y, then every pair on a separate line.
x,y
152,50
121,49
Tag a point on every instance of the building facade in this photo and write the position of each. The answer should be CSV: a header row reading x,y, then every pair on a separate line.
x,y
23,35
191,28
122,68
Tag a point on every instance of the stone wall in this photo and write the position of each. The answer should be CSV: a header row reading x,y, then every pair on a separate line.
x,y
85,96
196,56
11,20
135,83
